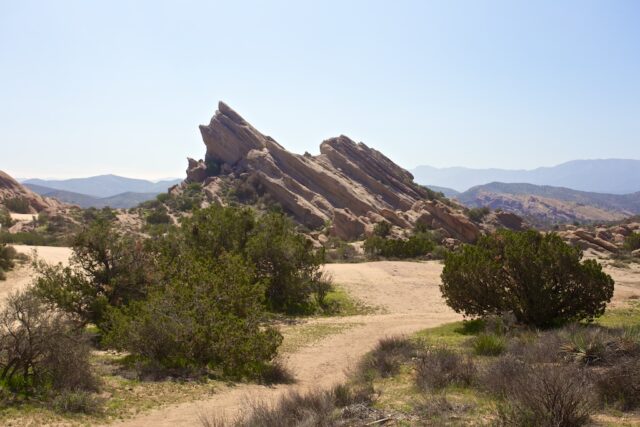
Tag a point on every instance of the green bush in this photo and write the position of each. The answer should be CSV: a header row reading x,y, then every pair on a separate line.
x,y
5,218
477,214
158,216
106,269
417,245
283,259
18,205
537,277
382,229
632,242
7,257
211,313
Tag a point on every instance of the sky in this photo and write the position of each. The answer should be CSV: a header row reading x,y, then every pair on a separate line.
x,y
95,87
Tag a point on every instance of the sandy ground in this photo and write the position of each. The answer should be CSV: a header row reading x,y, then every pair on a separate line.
x,y
22,276
23,217
407,294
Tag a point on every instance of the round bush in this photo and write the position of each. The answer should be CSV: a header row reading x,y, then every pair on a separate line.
x,y
537,277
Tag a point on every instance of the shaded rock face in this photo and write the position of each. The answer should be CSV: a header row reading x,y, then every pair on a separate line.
x,y
348,185
12,189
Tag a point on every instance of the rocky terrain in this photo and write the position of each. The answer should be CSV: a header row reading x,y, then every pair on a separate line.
x,y
344,191
607,239
545,205
11,190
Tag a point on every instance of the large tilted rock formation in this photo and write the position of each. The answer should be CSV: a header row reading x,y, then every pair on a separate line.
x,y
348,185
12,189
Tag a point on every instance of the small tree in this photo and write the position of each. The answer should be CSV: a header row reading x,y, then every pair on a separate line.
x,y
382,229
106,269
537,277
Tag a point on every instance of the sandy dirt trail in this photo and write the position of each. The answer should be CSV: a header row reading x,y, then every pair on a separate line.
x,y
22,276
406,292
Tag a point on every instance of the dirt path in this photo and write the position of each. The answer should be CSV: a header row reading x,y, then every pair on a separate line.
x,y
21,277
409,294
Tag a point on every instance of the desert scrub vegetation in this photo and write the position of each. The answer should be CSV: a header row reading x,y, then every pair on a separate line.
x,y
198,298
538,278
5,218
566,376
478,214
18,205
381,245
632,241
7,259
44,355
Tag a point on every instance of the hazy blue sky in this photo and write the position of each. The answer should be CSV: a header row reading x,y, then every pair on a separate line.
x,y
91,87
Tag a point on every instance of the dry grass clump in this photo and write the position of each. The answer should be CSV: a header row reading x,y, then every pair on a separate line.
x,y
441,367
387,357
553,395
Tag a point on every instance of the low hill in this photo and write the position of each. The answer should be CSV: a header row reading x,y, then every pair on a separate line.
x,y
105,185
612,176
547,204
123,200
19,199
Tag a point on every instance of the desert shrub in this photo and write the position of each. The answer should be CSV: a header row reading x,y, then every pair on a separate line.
x,y
386,358
441,367
539,278
292,410
76,401
286,262
477,214
619,385
7,259
382,229
550,395
5,218
18,205
632,242
208,314
488,344
158,215
416,245
31,238
106,269
41,349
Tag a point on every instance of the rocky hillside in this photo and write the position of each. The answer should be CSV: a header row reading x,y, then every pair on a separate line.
x,y
345,190
20,199
544,205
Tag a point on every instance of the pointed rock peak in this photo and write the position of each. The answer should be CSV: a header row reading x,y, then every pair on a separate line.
x,y
225,110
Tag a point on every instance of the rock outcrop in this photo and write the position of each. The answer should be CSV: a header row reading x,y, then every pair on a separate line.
x,y
12,190
604,239
348,186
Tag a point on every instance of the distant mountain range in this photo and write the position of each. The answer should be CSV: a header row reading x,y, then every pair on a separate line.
x,y
547,204
100,191
123,200
104,185
613,176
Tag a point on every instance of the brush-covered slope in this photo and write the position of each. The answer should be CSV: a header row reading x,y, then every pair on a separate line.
x,y
547,204
349,186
